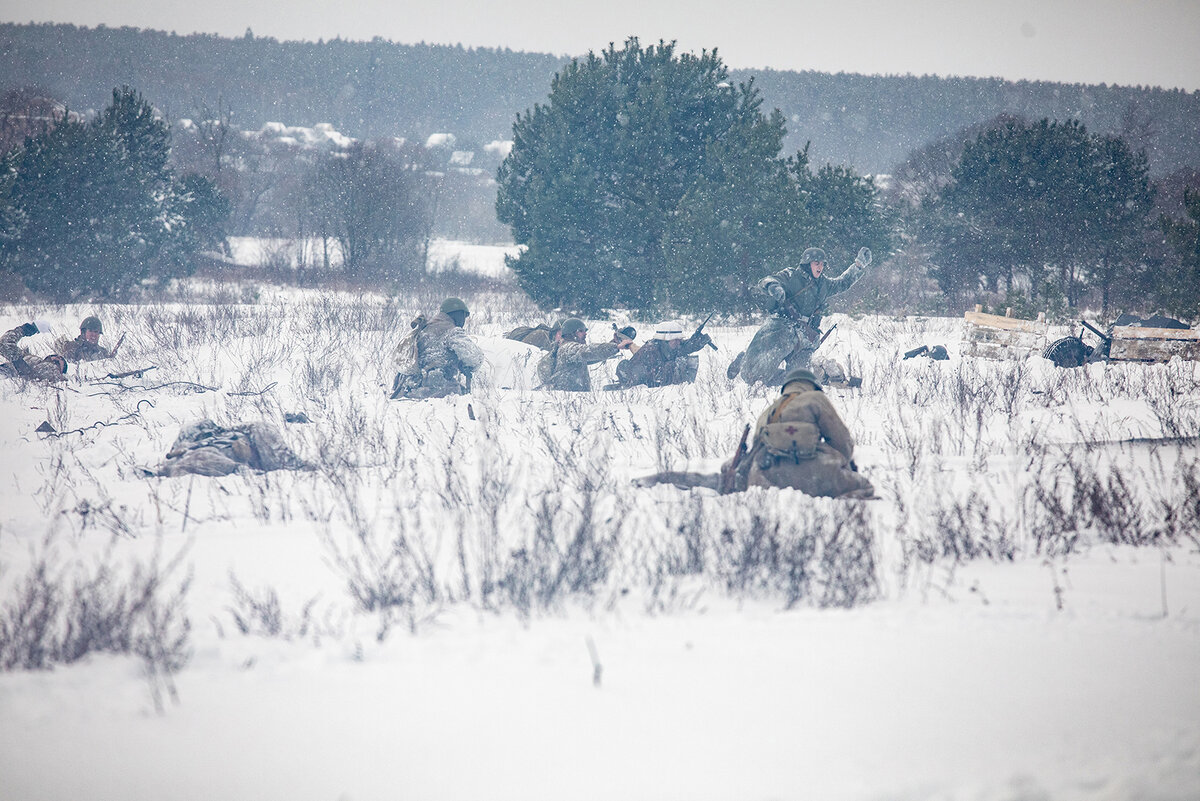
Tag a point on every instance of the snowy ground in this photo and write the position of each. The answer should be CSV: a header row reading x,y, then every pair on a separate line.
x,y
469,599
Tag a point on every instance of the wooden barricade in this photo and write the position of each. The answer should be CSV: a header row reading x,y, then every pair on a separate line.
x,y
991,336
1131,343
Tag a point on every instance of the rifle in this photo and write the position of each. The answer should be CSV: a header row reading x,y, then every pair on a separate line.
x,y
699,331
729,471
825,336
117,346
135,373
916,352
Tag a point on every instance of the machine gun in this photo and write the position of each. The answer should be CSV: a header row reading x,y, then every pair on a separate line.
x,y
1105,339
699,332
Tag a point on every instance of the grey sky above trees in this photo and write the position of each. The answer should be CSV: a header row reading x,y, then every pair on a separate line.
x,y
1126,42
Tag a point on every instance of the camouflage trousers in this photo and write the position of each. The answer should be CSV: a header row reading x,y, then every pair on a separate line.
x,y
433,384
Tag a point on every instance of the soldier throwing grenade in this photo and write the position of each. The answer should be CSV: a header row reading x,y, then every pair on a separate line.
x,y
796,297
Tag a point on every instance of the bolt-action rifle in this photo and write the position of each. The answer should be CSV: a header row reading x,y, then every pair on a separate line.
x,y
134,373
729,470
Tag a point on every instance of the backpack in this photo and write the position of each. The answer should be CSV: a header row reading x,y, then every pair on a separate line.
x,y
406,357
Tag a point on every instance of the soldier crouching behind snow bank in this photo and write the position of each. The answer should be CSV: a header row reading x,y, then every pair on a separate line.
x,y
207,449
437,358
799,442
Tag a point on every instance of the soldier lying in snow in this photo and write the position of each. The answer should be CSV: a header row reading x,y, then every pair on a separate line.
x,y
86,347
668,358
437,358
565,366
540,335
799,442
207,449
49,369
21,363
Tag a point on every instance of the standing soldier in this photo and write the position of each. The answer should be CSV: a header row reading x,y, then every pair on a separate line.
x,y
86,347
667,358
437,358
565,366
796,297
802,443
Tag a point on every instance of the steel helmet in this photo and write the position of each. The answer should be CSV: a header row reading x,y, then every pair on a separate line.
x,y
812,254
454,305
799,374
91,324
572,326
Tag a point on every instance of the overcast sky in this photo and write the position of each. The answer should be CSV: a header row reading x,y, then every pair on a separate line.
x,y
1128,42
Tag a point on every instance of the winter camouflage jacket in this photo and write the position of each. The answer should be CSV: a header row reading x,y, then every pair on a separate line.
x,y
10,351
34,369
805,296
821,469
565,366
434,359
206,449
80,350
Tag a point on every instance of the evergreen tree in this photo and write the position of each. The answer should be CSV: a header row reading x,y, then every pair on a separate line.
x,y
92,207
647,180
1044,204
1179,288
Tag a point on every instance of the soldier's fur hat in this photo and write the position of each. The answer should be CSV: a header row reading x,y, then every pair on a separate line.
x,y
800,374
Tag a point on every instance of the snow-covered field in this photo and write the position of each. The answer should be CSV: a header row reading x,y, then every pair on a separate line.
x,y
469,598
444,254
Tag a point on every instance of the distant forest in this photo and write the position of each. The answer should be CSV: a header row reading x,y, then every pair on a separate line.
x,y
379,88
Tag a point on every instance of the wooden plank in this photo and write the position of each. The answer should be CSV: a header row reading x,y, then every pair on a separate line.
x,y
1154,350
1004,323
1138,332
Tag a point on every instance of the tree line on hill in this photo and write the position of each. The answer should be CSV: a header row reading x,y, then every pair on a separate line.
x,y
648,180
385,89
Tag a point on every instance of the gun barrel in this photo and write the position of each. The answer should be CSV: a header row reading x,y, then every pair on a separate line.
x,y
1095,330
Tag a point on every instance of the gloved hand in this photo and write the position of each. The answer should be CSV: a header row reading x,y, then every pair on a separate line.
x,y
776,292
863,257
28,329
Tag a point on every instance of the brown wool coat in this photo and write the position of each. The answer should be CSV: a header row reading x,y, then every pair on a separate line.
x,y
828,473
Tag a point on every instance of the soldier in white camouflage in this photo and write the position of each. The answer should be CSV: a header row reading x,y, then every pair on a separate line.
x,y
207,449
565,365
437,358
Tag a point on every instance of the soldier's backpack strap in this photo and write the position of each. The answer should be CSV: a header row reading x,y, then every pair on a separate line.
x,y
794,441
